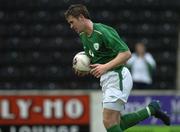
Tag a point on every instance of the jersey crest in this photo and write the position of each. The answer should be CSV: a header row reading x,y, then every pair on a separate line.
x,y
96,46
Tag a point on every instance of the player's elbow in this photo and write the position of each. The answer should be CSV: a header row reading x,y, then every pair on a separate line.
x,y
125,55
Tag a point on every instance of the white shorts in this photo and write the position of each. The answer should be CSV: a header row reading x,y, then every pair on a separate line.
x,y
116,86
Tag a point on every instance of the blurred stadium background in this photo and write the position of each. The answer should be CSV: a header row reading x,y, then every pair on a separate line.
x,y
36,51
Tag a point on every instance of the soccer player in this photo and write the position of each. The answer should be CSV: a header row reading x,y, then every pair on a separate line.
x,y
108,54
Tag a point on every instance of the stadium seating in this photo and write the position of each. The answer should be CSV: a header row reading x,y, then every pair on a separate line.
x,y
37,46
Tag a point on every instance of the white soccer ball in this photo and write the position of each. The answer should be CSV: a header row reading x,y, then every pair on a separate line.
x,y
81,62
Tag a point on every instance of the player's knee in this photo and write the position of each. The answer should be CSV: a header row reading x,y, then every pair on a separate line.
x,y
109,122
110,117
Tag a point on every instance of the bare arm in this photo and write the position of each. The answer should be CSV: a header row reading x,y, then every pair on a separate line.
x,y
120,59
99,69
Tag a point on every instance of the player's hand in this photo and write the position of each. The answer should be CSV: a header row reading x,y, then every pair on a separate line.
x,y
81,73
98,69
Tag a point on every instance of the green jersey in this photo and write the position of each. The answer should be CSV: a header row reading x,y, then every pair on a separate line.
x,y
103,44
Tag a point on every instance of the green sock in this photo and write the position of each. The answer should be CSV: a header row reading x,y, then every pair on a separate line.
x,y
115,128
152,111
132,119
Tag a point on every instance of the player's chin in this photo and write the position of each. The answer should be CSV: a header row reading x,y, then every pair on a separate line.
x,y
77,31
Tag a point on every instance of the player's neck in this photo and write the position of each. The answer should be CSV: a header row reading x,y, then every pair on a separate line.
x,y
89,27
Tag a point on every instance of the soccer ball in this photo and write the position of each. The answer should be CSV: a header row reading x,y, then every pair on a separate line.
x,y
81,62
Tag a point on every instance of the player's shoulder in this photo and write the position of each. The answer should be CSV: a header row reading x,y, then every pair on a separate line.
x,y
148,54
102,27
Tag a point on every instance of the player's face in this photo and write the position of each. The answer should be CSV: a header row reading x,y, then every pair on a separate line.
x,y
76,23
140,49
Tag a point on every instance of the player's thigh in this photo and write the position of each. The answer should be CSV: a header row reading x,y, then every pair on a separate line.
x,y
117,105
116,85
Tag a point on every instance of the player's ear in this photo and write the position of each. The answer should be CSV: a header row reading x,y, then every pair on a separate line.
x,y
81,17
